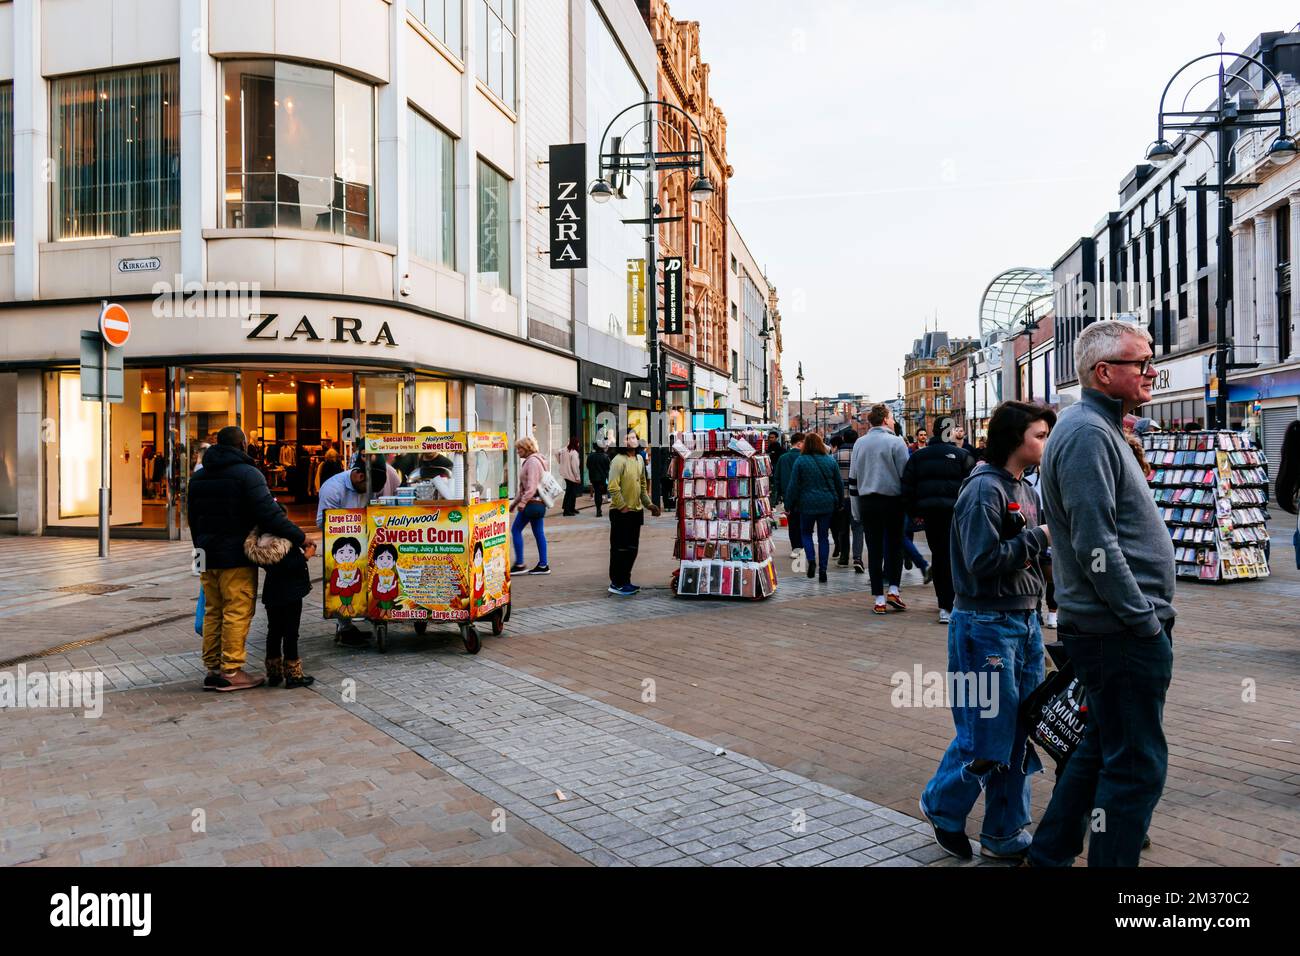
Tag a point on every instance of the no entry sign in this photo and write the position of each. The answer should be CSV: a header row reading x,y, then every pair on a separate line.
x,y
114,324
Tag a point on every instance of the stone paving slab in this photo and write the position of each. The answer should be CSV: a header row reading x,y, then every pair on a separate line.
x,y
279,778
595,778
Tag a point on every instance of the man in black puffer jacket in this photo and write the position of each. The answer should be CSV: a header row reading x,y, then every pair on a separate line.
x,y
228,497
931,482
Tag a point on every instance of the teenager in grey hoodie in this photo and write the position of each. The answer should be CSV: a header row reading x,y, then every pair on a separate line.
x,y
995,649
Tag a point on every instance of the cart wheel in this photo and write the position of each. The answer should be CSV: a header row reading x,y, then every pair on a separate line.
x,y
469,635
421,627
498,623
381,638
507,614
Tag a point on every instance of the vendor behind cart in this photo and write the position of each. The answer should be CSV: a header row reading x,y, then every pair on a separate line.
x,y
347,490
435,467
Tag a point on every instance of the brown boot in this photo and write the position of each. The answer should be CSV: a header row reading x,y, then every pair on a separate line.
x,y
240,680
293,675
274,671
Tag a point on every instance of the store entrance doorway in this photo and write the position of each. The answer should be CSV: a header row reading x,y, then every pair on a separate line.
x,y
294,420
304,425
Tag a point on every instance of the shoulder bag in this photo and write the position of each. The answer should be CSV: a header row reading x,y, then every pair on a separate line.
x,y
1056,715
549,488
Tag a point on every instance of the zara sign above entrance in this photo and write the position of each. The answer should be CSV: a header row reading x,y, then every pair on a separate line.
x,y
265,327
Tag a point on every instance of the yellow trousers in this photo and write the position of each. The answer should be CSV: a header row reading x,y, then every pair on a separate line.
x,y
230,599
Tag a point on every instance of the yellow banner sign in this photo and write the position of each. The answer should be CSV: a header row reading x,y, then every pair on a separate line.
x,y
490,561
415,443
488,441
417,564
345,563
636,297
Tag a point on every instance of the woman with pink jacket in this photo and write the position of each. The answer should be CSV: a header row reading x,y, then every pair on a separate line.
x,y
531,508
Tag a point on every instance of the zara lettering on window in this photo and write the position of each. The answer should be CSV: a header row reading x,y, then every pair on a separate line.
x,y
346,329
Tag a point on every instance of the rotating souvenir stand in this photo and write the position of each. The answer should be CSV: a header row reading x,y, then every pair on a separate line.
x,y
724,535
1210,488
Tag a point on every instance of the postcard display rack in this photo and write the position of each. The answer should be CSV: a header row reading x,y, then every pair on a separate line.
x,y
1210,489
724,527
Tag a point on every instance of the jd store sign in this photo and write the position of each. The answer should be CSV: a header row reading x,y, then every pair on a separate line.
x,y
267,327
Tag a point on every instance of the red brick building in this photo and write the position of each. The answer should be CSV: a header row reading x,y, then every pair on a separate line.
x,y
701,237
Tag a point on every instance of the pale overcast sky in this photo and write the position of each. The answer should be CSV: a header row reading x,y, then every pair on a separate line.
x,y
892,157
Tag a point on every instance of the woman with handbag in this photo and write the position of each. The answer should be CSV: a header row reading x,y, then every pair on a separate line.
x,y
531,505
816,492
571,472
288,581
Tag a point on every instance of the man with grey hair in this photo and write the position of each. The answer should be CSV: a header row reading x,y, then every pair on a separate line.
x,y
1114,570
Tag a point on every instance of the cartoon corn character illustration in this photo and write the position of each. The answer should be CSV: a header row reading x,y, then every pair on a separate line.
x,y
345,580
384,583
478,576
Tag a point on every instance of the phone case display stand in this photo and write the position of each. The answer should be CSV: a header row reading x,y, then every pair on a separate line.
x,y
724,527
1211,489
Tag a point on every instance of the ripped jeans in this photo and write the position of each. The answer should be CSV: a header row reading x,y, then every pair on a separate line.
x,y
995,660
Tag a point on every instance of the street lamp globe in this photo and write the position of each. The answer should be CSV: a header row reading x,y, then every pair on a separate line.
x,y
701,189
1282,151
601,191
1160,152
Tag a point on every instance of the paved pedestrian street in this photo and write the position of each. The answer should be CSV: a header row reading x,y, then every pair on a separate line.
x,y
598,730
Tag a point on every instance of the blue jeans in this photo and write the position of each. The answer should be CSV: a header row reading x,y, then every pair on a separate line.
x,y
533,513
910,550
1113,781
822,522
1003,652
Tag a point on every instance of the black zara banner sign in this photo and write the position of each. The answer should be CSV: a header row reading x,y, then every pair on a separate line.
x,y
568,206
672,295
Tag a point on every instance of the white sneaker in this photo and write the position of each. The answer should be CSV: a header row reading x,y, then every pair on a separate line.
x,y
1049,620
944,616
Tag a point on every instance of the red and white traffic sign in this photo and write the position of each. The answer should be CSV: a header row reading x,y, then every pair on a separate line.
x,y
114,324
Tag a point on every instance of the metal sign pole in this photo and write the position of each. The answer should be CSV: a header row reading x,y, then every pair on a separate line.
x,y
103,447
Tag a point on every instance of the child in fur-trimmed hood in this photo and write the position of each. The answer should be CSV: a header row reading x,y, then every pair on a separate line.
x,y
287,582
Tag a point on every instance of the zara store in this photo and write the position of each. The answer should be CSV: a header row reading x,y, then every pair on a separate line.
x,y
303,377
346,193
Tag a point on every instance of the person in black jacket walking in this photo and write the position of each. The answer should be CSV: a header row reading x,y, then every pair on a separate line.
x,y
228,497
598,475
931,483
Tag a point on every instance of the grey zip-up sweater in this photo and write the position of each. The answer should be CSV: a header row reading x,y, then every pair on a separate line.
x,y
1112,557
994,565
876,466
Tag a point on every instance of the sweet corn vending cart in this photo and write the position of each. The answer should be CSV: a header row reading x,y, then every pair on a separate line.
x,y
438,550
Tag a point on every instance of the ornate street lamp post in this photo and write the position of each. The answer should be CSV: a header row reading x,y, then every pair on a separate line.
x,y
1223,118
617,164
